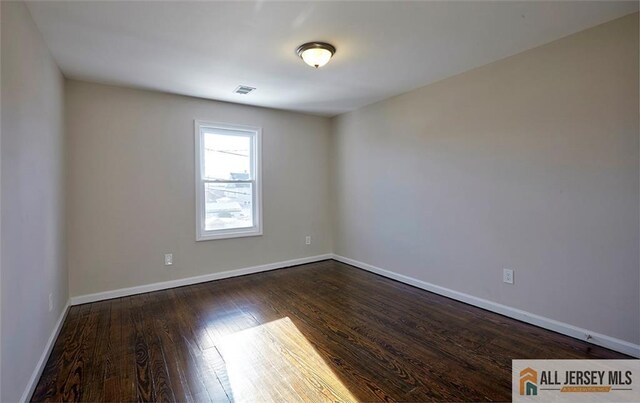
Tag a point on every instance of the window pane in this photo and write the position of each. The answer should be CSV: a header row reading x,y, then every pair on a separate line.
x,y
227,157
228,205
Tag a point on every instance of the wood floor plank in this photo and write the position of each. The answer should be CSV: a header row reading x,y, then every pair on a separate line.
x,y
73,388
128,367
61,357
201,375
96,368
157,363
173,354
324,331
114,353
144,382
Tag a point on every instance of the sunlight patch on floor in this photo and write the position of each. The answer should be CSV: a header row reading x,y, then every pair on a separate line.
x,y
275,362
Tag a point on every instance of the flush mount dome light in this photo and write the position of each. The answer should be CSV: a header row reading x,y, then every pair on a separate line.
x,y
316,54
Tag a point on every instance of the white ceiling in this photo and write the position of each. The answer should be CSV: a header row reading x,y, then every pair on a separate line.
x,y
207,49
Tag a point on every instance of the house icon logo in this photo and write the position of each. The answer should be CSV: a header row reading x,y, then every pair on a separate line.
x,y
529,382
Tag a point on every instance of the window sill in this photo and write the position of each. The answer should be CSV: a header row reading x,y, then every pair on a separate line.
x,y
227,235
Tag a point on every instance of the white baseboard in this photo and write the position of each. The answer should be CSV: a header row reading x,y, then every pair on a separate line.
x,y
35,376
123,292
524,316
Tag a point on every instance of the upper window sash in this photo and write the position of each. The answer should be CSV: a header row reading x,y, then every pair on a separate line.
x,y
214,129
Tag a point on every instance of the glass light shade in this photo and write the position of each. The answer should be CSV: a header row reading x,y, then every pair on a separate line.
x,y
316,57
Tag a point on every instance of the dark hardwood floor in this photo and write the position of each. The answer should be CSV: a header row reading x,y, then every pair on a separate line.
x,y
322,331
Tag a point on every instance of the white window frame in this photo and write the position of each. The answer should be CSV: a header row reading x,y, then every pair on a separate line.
x,y
255,133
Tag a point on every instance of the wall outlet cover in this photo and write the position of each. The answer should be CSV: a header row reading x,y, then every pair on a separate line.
x,y
507,276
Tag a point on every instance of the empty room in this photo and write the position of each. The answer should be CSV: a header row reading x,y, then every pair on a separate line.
x,y
345,201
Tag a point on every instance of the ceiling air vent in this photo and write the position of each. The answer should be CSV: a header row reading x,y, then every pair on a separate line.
x,y
243,89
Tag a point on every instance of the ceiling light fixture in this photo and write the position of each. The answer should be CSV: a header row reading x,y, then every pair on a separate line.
x,y
316,54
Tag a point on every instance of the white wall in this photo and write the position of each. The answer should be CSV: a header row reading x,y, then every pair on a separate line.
x,y
132,187
528,163
33,195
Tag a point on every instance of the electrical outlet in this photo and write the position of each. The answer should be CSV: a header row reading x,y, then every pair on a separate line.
x,y
507,276
307,240
168,259
50,302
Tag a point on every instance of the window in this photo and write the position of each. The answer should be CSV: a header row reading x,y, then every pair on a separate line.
x,y
228,191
